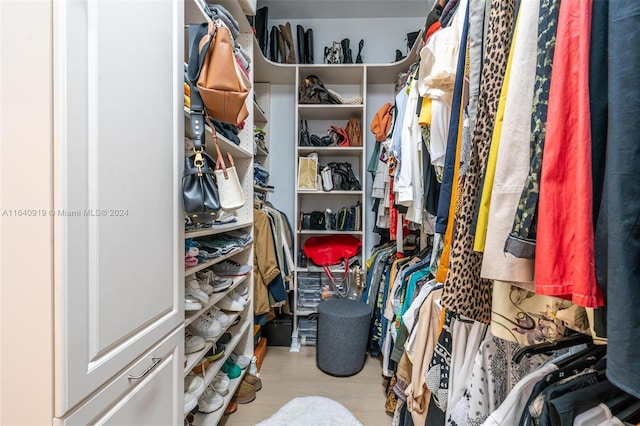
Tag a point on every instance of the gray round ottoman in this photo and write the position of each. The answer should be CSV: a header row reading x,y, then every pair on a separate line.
x,y
343,331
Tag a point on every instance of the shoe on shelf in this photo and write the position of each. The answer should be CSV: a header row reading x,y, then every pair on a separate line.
x,y
238,297
253,381
192,288
245,393
220,383
217,283
193,384
231,369
201,368
192,304
240,360
190,401
231,408
242,290
188,419
229,268
210,401
226,337
207,327
215,352
228,304
216,313
203,285
192,343
236,321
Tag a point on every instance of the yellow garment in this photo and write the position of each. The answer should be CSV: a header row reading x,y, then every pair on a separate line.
x,y
187,101
485,200
187,89
425,113
265,268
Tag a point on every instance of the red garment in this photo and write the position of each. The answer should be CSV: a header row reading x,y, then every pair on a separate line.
x,y
432,29
564,264
393,213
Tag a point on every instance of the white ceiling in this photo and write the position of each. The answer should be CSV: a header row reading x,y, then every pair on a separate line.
x,y
350,9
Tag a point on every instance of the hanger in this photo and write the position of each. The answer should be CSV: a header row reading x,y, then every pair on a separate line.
x,y
541,348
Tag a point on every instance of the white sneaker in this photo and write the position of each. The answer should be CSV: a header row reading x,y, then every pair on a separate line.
x,y
238,297
193,384
228,304
216,313
210,401
192,288
220,383
240,360
203,285
191,304
190,401
207,327
192,343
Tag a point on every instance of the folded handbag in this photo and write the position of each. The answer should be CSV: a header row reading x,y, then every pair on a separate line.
x,y
307,172
229,188
354,132
304,135
338,136
327,181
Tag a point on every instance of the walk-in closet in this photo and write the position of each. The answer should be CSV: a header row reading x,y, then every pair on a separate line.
x,y
319,212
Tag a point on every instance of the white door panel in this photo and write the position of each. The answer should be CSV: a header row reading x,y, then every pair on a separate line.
x,y
118,227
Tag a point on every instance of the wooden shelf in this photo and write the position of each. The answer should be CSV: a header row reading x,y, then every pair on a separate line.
x,y
328,232
355,151
225,144
211,262
258,114
329,112
261,152
216,229
213,299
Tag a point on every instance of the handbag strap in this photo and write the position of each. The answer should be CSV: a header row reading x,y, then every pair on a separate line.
x,y
220,164
196,59
334,280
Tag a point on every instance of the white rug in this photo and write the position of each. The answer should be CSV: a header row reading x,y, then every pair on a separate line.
x,y
312,411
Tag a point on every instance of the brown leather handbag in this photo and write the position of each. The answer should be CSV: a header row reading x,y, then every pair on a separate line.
x,y
221,84
354,132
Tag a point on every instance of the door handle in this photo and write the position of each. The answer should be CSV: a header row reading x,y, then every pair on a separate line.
x,y
156,360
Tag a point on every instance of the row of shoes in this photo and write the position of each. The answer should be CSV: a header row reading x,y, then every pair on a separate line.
x,y
209,325
200,286
211,399
340,52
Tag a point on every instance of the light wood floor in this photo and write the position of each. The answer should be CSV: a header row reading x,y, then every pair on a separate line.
x,y
286,375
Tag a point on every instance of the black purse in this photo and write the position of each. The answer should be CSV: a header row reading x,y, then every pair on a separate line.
x,y
199,188
304,135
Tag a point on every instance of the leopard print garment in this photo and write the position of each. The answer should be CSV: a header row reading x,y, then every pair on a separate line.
x,y
464,291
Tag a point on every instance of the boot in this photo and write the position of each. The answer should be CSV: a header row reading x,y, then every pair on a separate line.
x,y
282,48
411,39
346,51
301,47
262,31
359,57
285,30
274,44
308,46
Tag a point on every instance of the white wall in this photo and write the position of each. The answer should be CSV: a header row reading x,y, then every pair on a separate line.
x,y
26,252
382,36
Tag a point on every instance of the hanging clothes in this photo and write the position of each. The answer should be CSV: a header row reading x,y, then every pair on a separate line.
x,y
565,233
465,292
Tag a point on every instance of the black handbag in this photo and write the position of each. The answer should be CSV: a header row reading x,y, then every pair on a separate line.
x,y
304,135
199,188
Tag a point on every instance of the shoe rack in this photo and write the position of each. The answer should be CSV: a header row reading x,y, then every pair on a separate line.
x,y
243,154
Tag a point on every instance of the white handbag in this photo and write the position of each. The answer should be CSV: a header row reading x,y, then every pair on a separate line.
x,y
229,188
327,180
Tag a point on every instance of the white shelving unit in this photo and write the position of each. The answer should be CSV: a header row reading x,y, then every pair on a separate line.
x,y
348,80
261,109
243,155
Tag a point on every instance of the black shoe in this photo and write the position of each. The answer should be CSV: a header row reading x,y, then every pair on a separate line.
x,y
308,46
302,57
411,39
273,44
399,55
346,51
262,32
359,57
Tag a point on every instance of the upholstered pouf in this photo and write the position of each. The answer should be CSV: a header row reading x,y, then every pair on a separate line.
x,y
343,331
